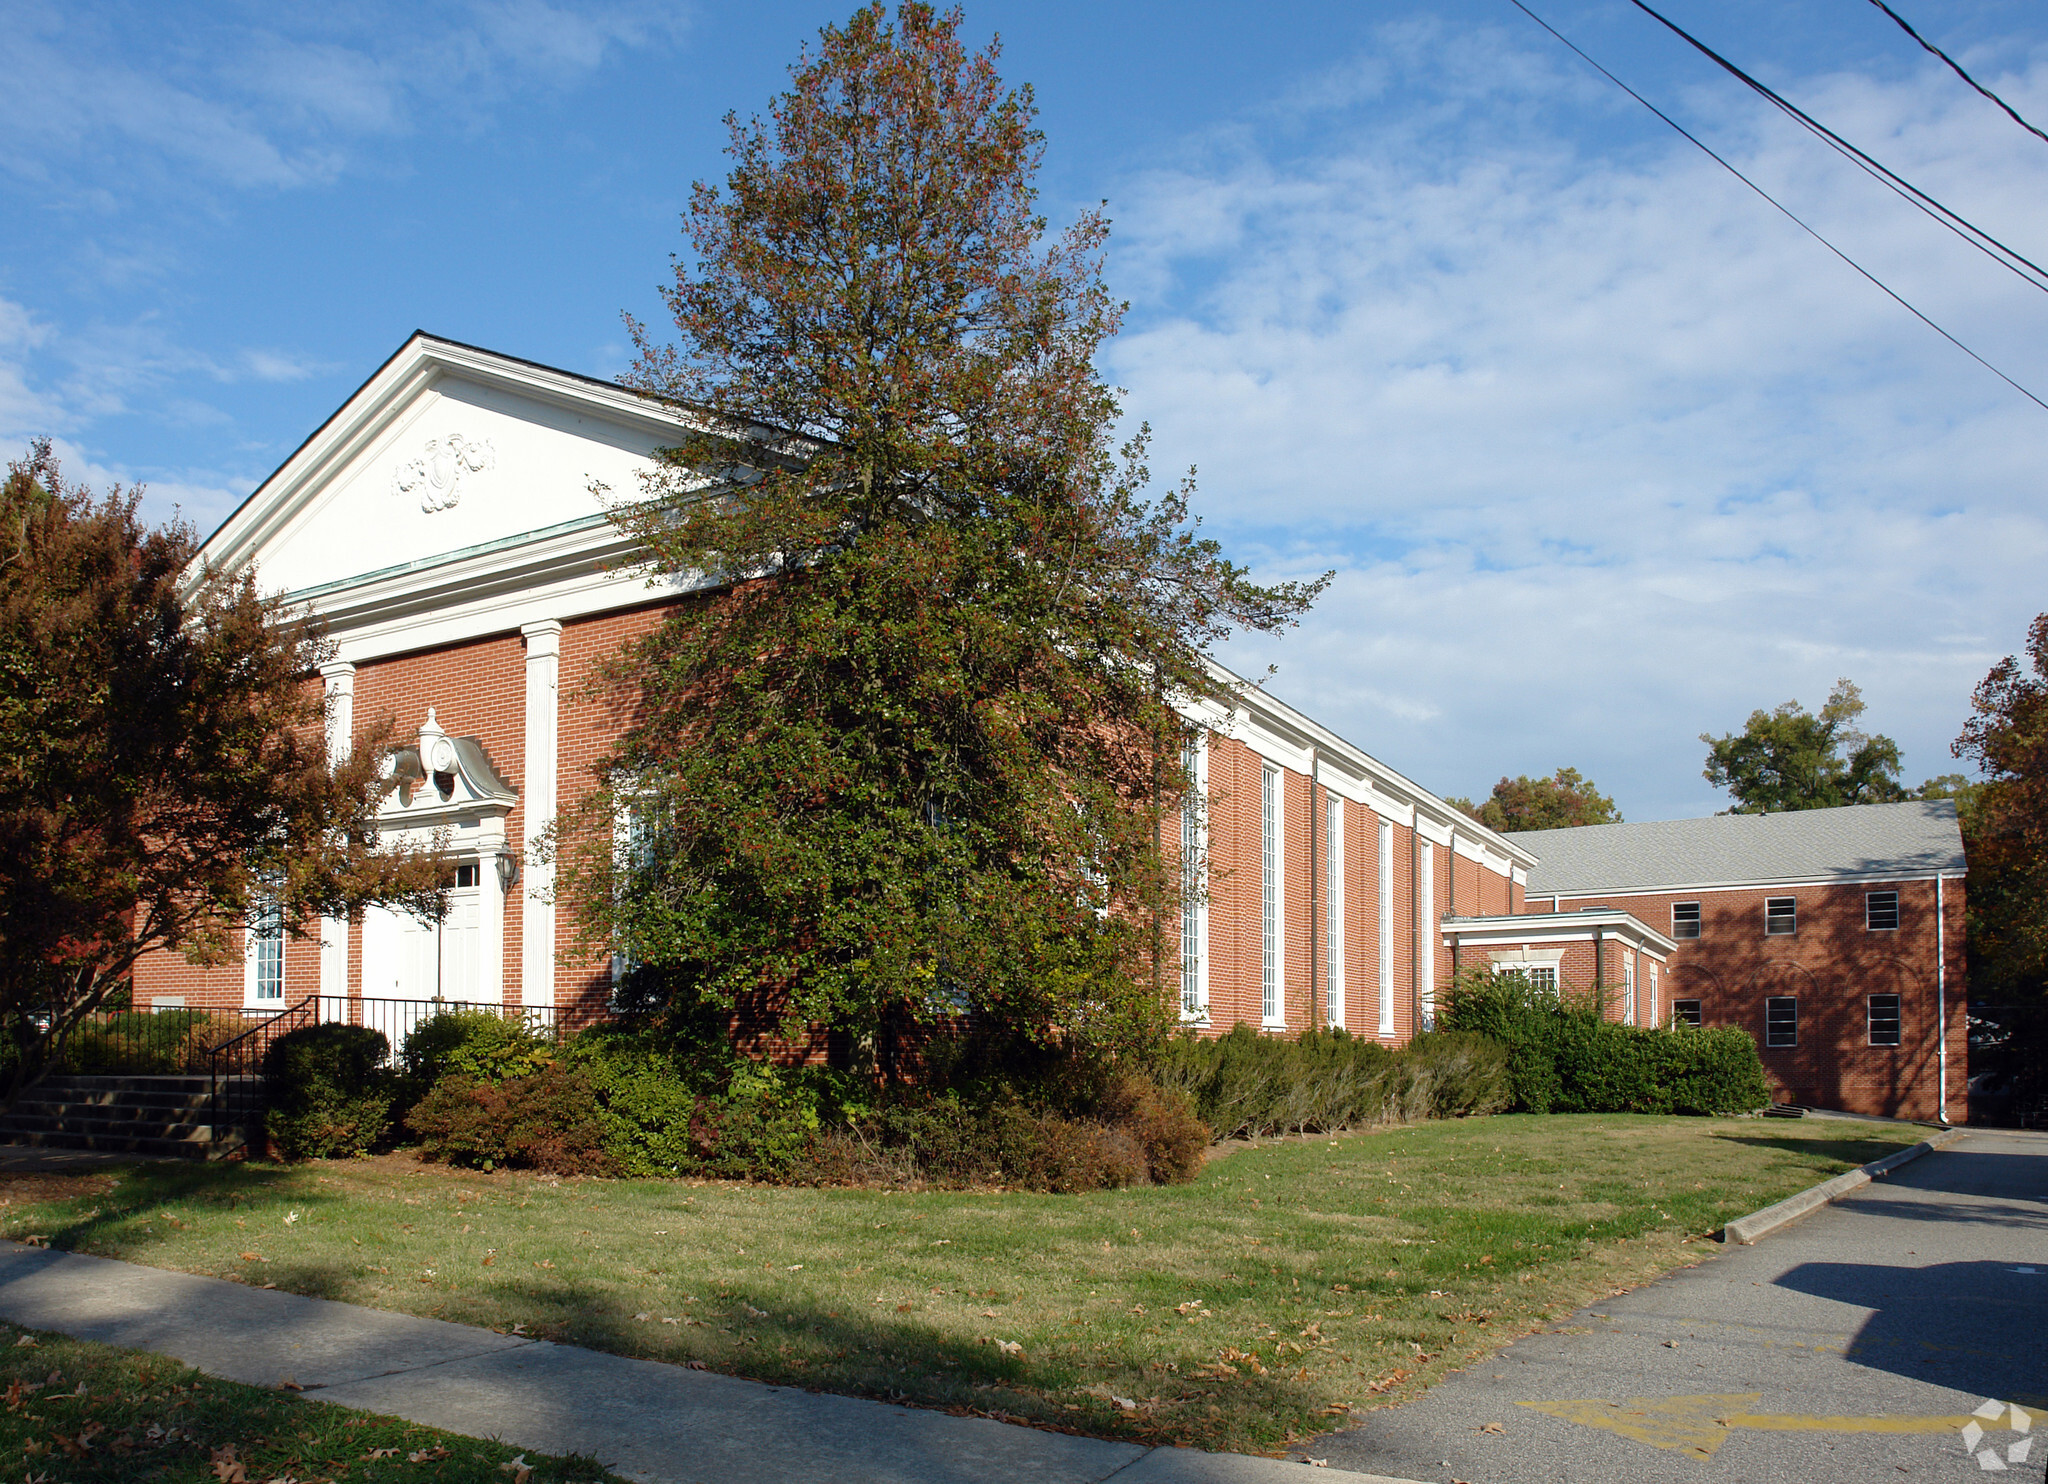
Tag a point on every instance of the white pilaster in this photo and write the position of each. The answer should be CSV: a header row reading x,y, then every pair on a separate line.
x,y
340,680
537,937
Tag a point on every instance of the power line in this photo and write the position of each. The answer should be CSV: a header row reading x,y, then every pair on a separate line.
x,y
1787,211
1957,68
2025,268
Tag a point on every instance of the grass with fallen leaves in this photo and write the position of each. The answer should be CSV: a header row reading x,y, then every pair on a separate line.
x,y
80,1411
1291,1284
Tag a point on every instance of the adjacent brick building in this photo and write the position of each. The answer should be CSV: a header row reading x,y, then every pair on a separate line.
x,y
1833,936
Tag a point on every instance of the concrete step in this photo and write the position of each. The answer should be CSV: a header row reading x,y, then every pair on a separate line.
x,y
198,1146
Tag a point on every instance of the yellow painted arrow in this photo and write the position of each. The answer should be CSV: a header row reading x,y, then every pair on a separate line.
x,y
1697,1425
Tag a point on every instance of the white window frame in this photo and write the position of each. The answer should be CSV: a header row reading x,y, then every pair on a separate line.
x,y
1870,912
1272,898
626,818
1426,934
1655,1012
1679,1017
1770,917
1898,1019
1333,913
1628,989
1694,920
263,955
1540,974
1386,953
1194,924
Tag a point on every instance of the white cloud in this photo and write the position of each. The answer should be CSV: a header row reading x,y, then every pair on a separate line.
x,y
184,99
1606,451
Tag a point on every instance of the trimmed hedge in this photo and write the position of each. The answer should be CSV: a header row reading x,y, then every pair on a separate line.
x,y
1248,1085
1564,1056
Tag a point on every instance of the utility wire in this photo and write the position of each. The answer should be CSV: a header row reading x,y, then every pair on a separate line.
x,y
2025,268
1957,68
1796,220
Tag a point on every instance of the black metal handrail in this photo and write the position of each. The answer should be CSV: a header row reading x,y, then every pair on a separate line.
x,y
396,1019
248,1049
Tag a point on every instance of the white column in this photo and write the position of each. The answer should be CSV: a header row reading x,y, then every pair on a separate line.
x,y
340,679
490,935
537,939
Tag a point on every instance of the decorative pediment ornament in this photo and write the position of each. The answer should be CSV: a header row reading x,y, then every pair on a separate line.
x,y
436,475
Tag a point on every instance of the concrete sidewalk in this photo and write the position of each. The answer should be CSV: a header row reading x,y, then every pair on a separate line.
x,y
641,1418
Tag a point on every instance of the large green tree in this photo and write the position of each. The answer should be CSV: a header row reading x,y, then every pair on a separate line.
x,y
1564,800
2006,823
1791,758
908,758
163,764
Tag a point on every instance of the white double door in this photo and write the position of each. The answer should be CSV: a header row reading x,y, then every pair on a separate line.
x,y
406,959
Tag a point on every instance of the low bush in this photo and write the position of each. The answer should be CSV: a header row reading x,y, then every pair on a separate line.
x,y
1565,1056
549,1120
145,1043
329,1091
481,1045
1248,1085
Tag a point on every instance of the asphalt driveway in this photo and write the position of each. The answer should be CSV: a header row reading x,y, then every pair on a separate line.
x,y
1858,1344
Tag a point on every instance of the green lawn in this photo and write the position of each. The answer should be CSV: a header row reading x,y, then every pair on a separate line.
x,y
1291,1282
79,1411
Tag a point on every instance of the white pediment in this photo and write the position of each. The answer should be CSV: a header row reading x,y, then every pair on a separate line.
x,y
444,451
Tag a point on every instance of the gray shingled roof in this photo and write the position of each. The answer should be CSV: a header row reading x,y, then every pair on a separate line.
x,y
1863,840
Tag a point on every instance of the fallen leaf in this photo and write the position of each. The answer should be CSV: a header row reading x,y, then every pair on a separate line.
x,y
27,1342
1492,1427
1009,1347
254,1257
227,1468
698,1365
426,1455
289,1384
518,1468
1124,1403
376,1453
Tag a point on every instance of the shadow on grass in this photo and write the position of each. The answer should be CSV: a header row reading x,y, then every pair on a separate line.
x,y
750,1331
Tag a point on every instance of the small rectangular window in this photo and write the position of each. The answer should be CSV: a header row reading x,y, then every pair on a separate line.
x,y
1881,911
1685,1012
1781,1020
1884,1020
466,876
1781,916
1685,919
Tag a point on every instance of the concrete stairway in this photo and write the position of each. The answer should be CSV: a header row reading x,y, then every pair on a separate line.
x,y
159,1116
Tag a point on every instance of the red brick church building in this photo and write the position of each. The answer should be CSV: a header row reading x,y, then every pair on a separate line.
x,y
448,522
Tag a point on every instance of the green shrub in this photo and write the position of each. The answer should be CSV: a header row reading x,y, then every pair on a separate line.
x,y
144,1043
549,1120
481,1045
1564,1056
1248,1085
328,1090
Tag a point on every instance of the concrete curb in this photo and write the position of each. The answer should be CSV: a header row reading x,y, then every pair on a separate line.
x,y
1762,1223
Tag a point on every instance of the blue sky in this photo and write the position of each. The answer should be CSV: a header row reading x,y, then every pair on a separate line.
x,y
1604,451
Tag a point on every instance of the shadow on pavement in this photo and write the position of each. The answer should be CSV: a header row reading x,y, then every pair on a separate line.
x,y
1977,1327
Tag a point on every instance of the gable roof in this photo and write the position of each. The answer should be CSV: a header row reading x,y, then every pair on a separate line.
x,y
1860,842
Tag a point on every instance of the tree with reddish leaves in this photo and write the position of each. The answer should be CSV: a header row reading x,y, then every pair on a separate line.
x,y
163,764
906,761
2006,824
